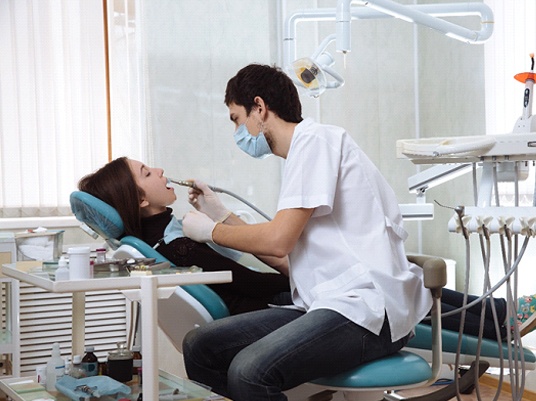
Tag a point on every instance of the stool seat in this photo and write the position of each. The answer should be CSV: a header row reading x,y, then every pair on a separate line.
x,y
394,371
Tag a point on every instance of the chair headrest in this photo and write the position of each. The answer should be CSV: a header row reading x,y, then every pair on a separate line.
x,y
98,215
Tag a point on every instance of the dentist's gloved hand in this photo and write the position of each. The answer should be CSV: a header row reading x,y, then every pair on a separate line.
x,y
205,200
198,226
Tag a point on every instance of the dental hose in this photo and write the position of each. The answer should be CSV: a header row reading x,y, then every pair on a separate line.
x,y
187,183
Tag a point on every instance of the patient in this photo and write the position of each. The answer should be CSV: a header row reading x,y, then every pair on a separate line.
x,y
523,318
452,300
141,197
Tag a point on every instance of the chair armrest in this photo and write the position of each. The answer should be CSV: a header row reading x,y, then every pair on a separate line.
x,y
435,278
435,272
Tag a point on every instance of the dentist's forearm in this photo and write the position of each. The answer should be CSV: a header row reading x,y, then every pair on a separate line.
x,y
278,263
252,238
276,238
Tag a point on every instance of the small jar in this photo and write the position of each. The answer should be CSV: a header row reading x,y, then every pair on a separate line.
x,y
77,371
120,363
79,263
136,359
101,255
90,362
103,366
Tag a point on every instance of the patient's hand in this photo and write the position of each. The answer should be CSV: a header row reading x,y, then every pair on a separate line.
x,y
205,200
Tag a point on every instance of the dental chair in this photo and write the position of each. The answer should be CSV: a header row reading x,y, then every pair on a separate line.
x,y
196,305
188,307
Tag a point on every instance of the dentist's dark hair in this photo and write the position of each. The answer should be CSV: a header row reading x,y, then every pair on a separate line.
x,y
115,185
272,85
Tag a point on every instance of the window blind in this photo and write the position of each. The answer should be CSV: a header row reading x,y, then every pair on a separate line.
x,y
507,54
53,125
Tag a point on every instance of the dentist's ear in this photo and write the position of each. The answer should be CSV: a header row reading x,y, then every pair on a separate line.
x,y
259,103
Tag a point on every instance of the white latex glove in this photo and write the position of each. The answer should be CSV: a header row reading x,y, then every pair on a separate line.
x,y
198,226
205,200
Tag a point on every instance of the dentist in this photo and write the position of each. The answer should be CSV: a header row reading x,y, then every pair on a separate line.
x,y
355,297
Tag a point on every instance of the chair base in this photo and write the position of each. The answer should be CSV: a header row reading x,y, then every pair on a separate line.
x,y
448,392
375,394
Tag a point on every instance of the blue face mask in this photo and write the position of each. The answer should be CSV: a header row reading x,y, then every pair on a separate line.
x,y
255,146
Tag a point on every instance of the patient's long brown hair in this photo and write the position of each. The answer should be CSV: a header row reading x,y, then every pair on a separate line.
x,y
114,184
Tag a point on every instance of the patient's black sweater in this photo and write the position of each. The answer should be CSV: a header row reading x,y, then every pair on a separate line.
x,y
250,290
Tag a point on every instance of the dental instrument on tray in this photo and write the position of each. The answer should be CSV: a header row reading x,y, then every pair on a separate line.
x,y
191,184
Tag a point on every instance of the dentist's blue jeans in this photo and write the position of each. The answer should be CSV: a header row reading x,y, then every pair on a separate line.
x,y
255,356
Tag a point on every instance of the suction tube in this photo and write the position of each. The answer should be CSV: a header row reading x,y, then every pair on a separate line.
x,y
191,184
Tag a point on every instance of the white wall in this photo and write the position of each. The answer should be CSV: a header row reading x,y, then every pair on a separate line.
x,y
193,48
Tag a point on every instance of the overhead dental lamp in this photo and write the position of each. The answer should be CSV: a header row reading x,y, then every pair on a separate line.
x,y
316,74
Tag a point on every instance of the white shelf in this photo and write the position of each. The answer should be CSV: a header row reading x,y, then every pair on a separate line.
x,y
31,272
145,288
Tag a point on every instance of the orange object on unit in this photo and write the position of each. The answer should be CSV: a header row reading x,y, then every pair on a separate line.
x,y
524,76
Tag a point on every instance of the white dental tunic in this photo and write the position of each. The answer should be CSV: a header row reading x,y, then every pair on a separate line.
x,y
350,257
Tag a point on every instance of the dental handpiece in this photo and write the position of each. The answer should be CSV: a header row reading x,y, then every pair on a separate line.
x,y
191,184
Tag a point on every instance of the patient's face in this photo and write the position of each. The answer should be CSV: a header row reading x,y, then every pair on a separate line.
x,y
153,182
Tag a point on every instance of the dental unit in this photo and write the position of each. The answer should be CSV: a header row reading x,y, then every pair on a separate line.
x,y
315,73
502,158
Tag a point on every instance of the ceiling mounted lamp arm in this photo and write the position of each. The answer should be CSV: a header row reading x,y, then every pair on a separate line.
x,y
430,16
306,15
425,14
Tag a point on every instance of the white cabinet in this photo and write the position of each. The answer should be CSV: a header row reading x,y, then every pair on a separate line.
x,y
46,318
146,289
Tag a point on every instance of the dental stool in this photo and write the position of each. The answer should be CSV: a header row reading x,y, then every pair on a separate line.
x,y
404,369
